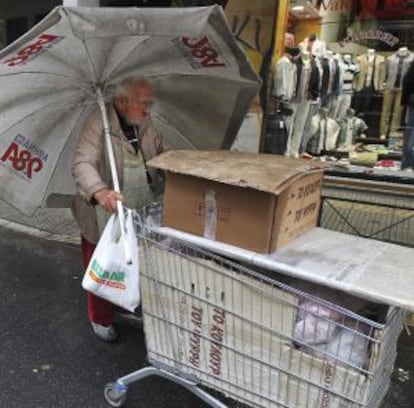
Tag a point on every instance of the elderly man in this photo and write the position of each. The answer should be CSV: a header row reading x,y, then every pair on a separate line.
x,y
134,141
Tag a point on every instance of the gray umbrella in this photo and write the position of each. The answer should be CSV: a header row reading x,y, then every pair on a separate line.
x,y
53,77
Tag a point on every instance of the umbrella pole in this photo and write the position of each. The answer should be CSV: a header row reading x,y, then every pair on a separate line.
x,y
114,174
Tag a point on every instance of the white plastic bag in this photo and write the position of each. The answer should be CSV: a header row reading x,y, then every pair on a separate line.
x,y
108,274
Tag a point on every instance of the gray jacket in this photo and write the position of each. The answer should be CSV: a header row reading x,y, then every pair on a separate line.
x,y
284,80
91,169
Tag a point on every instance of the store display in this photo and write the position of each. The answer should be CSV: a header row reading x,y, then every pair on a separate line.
x,y
324,133
330,79
285,78
371,71
355,68
407,99
307,90
351,128
368,86
347,72
397,66
279,122
313,45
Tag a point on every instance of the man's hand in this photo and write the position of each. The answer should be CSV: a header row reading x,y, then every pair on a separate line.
x,y
107,199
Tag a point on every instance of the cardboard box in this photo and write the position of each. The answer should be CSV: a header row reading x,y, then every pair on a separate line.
x,y
254,201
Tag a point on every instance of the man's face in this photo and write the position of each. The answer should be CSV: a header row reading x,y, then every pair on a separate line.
x,y
137,106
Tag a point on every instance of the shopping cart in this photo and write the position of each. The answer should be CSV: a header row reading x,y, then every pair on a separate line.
x,y
222,325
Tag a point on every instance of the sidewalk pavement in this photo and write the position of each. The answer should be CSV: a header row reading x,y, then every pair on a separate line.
x,y
56,224
49,356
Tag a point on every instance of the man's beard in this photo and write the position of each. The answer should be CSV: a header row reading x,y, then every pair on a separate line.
x,y
134,121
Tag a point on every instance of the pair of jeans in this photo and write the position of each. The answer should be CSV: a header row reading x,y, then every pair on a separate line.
x,y
408,146
391,112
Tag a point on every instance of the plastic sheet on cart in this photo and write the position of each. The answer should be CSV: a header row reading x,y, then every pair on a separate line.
x,y
375,270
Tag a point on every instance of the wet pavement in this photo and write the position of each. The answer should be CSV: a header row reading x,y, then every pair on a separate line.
x,y
49,357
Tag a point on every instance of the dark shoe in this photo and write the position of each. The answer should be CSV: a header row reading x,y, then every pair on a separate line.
x,y
105,333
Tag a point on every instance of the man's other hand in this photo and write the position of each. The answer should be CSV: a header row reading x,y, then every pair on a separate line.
x,y
107,199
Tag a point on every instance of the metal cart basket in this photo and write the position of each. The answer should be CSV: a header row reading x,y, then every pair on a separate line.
x,y
213,322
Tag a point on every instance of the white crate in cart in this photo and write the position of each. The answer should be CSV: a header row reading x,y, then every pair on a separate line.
x,y
232,329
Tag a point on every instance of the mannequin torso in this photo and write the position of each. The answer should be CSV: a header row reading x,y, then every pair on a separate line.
x,y
284,80
397,67
372,71
307,86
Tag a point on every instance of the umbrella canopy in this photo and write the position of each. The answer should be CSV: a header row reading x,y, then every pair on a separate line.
x,y
51,76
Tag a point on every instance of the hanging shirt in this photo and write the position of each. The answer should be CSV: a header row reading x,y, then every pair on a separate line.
x,y
370,72
302,93
323,133
398,77
285,80
332,73
349,132
348,72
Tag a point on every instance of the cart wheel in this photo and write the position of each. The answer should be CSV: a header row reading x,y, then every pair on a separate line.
x,y
113,396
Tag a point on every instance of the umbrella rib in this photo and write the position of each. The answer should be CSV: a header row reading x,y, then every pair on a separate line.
x,y
89,57
90,60
60,155
42,107
82,40
121,60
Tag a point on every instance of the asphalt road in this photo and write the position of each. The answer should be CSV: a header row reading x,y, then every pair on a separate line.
x,y
49,357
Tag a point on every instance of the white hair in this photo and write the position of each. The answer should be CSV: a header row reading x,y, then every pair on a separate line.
x,y
125,86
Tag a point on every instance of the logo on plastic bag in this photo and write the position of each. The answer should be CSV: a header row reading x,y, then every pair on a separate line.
x,y
114,280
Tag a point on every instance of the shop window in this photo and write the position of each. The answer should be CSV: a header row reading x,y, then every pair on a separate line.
x,y
2,34
39,17
339,81
15,27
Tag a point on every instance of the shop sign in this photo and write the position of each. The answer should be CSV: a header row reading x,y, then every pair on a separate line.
x,y
373,34
333,5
